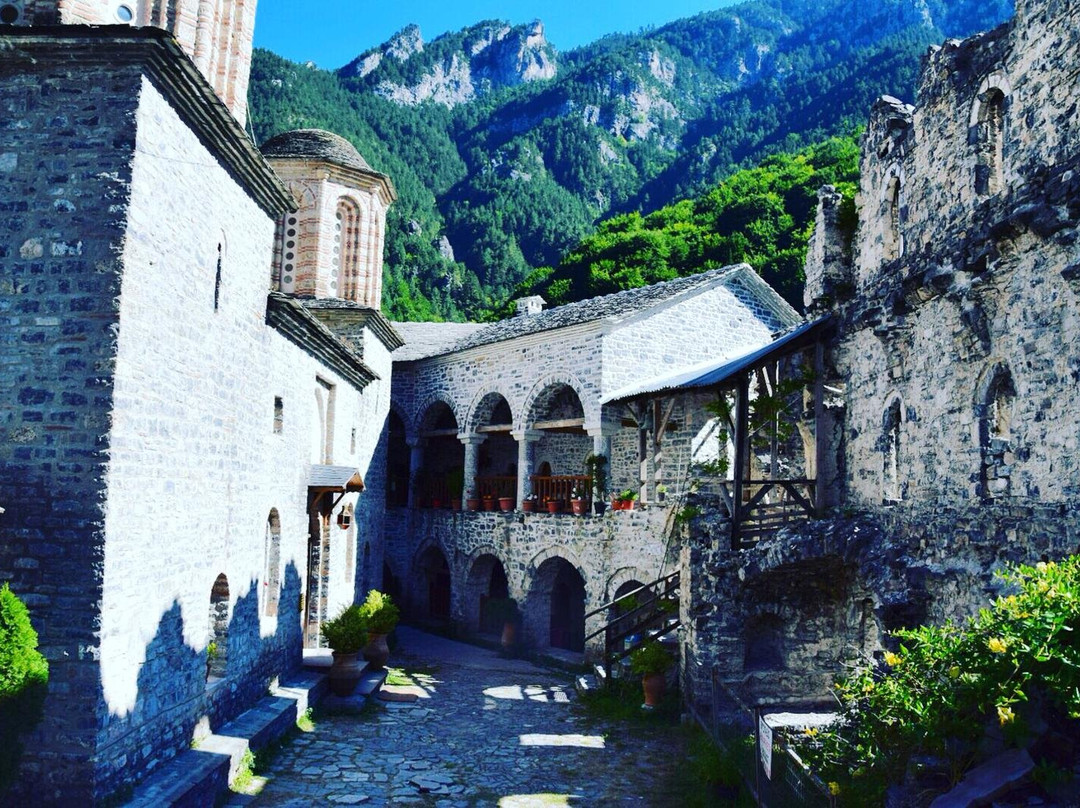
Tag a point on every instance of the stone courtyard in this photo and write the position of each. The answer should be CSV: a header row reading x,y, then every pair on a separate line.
x,y
485,731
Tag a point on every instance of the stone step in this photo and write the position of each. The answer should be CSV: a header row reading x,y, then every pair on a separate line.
x,y
370,682
586,684
197,777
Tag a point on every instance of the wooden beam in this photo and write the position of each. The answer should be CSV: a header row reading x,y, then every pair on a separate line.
x,y
440,433
492,428
565,423
742,427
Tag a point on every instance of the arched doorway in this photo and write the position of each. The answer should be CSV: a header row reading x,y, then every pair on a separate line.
x,y
558,594
486,581
217,645
434,595
558,458
497,455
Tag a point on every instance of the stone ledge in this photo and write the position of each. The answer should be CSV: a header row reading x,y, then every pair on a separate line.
x,y
198,776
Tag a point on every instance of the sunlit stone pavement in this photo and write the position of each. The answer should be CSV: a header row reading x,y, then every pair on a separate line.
x,y
486,731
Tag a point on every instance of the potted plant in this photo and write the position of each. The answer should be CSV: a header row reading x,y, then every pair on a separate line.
x,y
661,492
381,615
624,501
211,657
472,502
578,502
505,611
596,466
554,505
528,505
346,634
506,504
489,502
651,660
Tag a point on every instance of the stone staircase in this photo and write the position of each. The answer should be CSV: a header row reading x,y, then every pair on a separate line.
x,y
201,776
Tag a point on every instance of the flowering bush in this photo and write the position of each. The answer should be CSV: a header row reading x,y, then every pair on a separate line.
x,y
1013,666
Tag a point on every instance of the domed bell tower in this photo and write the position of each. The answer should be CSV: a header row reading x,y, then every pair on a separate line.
x,y
332,247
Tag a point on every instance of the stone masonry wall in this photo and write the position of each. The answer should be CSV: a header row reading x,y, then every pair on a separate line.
x,y
65,152
607,551
196,466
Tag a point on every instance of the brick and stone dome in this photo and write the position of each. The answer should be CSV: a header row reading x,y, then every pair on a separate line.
x,y
315,144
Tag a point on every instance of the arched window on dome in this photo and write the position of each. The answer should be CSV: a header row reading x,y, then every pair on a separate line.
x,y
345,271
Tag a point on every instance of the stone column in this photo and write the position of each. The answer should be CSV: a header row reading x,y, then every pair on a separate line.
x,y
416,461
472,458
526,439
601,435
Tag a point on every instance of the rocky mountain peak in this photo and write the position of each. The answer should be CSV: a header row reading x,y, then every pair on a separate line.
x,y
405,43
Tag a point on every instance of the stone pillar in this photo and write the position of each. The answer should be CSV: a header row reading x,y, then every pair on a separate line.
x,y
526,439
472,458
416,460
601,436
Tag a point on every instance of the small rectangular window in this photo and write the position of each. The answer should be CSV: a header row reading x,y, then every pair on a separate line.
x,y
279,415
352,441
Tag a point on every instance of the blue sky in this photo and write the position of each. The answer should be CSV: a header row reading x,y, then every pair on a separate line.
x,y
332,32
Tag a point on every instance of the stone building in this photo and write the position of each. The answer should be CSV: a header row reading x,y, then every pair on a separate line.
x,y
514,408
951,355
185,423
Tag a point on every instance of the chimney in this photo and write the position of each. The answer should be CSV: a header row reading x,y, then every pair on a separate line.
x,y
527,306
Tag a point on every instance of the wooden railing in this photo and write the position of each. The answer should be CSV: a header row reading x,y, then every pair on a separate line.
x,y
495,487
433,493
651,611
561,488
768,506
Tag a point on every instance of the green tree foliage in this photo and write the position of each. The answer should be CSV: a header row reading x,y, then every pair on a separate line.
x,y
24,674
1014,667
762,216
520,174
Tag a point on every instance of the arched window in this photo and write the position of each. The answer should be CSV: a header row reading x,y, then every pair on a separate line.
x,y
892,240
995,412
272,577
990,138
217,646
890,453
345,269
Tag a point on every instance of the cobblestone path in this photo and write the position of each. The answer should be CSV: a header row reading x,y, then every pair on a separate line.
x,y
489,731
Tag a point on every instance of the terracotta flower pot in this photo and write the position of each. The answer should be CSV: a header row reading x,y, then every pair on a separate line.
x,y
455,504
554,505
653,685
509,635
579,506
376,652
529,506
489,503
473,504
506,504
345,673
436,503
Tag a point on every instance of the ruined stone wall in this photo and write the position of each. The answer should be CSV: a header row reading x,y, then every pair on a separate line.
x,y
65,172
955,347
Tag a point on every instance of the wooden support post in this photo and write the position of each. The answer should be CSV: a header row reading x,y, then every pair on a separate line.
x,y
661,416
742,429
820,446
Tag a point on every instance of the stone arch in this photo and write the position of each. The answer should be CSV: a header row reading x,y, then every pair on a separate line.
x,y
479,408
485,578
995,80
416,423
892,421
994,408
590,408
623,576
432,582
272,576
556,602
217,642
398,458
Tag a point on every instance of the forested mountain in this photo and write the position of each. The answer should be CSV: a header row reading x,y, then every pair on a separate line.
x,y
506,153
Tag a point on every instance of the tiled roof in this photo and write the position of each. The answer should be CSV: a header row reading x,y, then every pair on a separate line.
x,y
431,339
620,304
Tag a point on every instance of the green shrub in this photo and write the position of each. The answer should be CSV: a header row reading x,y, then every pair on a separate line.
x,y
379,612
348,632
1011,666
650,657
24,674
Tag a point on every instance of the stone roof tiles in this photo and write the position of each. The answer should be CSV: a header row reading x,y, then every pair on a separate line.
x,y
441,340
316,144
